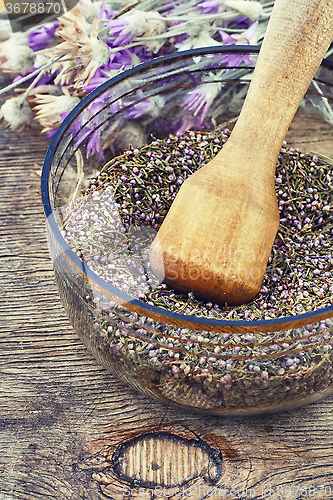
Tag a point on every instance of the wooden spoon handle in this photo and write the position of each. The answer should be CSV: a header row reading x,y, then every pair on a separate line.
x,y
295,43
219,232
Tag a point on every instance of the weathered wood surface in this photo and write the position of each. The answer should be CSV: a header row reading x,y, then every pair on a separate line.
x,y
66,425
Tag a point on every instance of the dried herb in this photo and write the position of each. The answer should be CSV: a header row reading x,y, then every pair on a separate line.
x,y
110,226
115,220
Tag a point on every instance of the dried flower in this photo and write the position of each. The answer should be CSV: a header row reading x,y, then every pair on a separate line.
x,y
94,145
138,24
16,114
84,52
151,106
41,59
15,55
49,109
197,38
14,40
90,9
97,41
42,36
210,6
251,9
72,25
119,61
245,39
19,61
5,30
200,99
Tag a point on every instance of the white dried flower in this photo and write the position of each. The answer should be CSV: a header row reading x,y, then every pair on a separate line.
x,y
72,24
18,61
46,89
198,38
93,54
89,9
85,52
50,108
42,59
68,70
249,8
15,40
157,25
5,29
72,27
17,116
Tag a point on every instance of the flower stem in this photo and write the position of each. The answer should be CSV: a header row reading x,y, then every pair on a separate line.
x,y
29,76
31,86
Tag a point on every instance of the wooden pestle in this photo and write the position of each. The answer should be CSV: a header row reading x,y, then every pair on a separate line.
x,y
219,232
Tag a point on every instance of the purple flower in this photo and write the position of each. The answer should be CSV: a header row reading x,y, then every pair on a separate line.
x,y
200,99
151,106
94,145
227,39
209,6
95,81
63,115
233,60
187,123
118,61
51,133
135,24
42,36
246,38
122,30
242,23
139,109
105,14
87,127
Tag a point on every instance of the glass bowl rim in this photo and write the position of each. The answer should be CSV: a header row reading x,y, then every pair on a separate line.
x,y
127,301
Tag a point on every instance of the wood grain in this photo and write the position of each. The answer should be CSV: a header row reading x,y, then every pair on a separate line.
x,y
64,420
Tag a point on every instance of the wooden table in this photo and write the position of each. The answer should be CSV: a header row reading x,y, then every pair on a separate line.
x,y
69,430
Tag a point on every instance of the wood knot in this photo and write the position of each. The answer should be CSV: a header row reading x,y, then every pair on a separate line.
x,y
155,461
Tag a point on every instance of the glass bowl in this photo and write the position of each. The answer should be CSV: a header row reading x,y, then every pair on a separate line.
x,y
208,362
